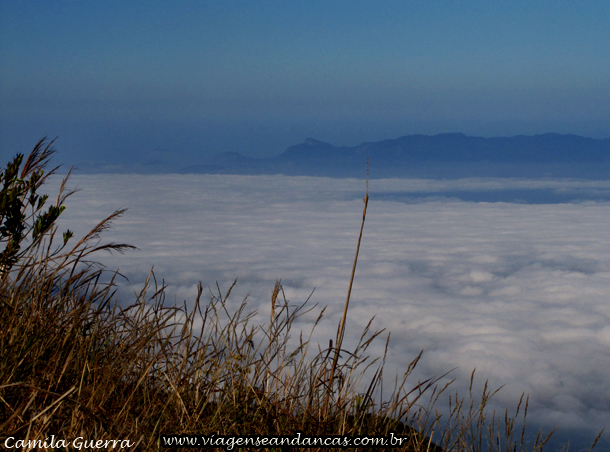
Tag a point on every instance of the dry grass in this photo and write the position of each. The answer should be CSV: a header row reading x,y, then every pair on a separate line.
x,y
74,363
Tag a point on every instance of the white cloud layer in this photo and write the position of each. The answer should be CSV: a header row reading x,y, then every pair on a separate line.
x,y
519,291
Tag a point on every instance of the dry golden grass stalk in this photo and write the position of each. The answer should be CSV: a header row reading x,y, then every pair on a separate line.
x,y
341,331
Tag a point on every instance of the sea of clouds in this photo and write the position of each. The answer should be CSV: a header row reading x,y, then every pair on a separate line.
x,y
518,290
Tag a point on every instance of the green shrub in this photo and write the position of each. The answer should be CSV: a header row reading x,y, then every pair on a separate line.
x,y
22,213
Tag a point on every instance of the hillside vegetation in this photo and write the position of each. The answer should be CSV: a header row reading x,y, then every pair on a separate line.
x,y
76,363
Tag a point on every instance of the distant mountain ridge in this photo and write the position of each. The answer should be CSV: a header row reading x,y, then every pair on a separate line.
x,y
448,155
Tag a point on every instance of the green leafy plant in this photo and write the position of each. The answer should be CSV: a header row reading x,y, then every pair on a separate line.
x,y
24,221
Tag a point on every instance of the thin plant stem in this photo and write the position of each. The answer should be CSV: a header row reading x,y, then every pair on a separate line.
x,y
341,332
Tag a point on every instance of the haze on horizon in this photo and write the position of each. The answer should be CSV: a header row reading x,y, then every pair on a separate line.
x,y
129,82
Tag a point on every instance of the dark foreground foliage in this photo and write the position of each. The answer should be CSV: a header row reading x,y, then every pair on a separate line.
x,y
73,363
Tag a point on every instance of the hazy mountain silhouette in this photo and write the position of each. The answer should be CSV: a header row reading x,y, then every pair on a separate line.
x,y
447,155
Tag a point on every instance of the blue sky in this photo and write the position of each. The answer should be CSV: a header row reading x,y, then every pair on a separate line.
x,y
126,81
